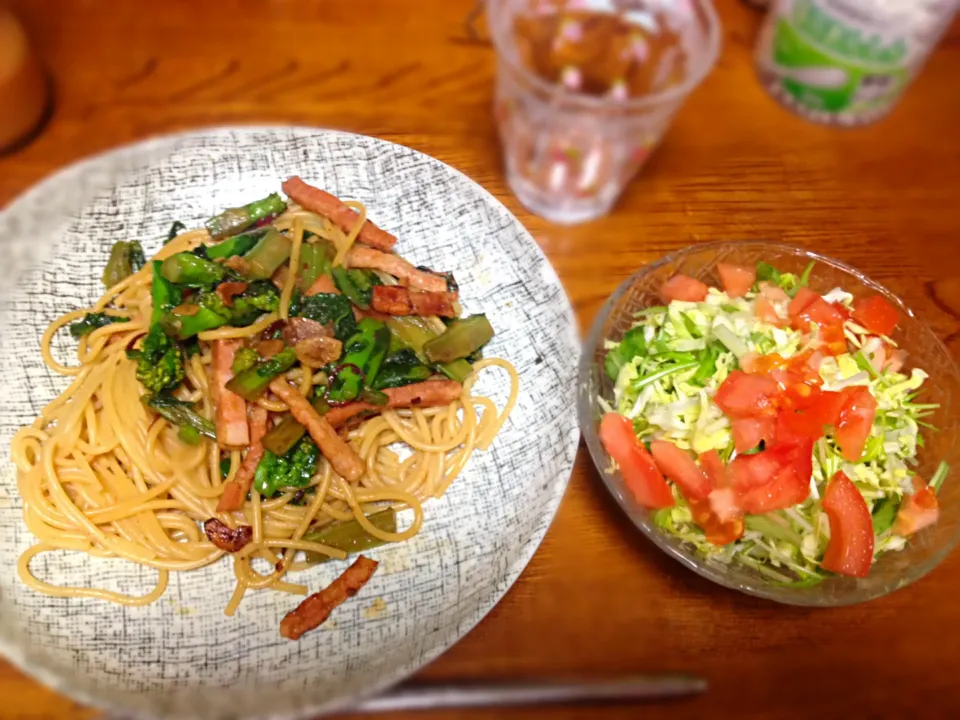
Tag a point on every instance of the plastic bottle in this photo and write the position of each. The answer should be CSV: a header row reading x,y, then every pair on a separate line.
x,y
847,62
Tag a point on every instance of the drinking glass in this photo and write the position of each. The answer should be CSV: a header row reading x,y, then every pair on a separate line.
x,y
569,154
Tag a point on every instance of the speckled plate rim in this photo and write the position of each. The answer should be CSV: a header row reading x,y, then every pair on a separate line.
x,y
115,164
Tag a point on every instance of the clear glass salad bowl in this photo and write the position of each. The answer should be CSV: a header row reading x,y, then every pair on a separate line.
x,y
891,570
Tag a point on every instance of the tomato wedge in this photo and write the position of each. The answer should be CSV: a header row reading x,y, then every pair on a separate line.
x,y
636,466
680,467
683,287
736,279
811,412
742,395
712,466
833,341
917,511
850,550
787,489
751,471
876,314
855,422
748,432
804,297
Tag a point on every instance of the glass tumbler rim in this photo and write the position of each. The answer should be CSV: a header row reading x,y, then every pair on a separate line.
x,y
590,102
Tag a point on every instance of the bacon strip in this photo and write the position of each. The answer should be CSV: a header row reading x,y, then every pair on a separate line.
x,y
396,300
370,259
235,492
315,610
232,430
343,458
225,537
425,394
330,206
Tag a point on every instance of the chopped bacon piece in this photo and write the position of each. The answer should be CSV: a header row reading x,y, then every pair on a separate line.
x,y
341,456
315,610
330,206
235,492
396,300
407,274
232,430
298,328
238,264
227,538
425,394
228,290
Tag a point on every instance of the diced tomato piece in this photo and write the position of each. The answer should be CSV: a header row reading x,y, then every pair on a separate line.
x,y
766,311
917,511
750,471
636,465
683,287
856,421
736,279
787,489
719,516
773,293
742,395
804,297
850,550
809,413
826,406
680,467
832,340
712,466
748,432
820,312
876,314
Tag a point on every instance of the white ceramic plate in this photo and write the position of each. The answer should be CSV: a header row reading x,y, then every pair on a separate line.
x,y
181,657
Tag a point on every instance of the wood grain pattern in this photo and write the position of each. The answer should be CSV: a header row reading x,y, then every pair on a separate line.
x,y
596,600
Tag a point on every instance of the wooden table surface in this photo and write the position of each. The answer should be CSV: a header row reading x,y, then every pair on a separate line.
x,y
597,600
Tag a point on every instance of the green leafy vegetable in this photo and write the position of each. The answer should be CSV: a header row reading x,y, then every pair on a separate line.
x,y
287,433
414,332
160,364
92,321
237,245
189,270
463,337
365,352
329,308
350,536
125,259
181,414
175,229
401,367
235,220
164,295
252,383
356,285
292,470
244,359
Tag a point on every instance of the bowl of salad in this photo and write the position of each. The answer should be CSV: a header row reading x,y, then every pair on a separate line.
x,y
776,421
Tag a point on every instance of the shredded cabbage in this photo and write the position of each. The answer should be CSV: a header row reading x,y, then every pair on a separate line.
x,y
679,358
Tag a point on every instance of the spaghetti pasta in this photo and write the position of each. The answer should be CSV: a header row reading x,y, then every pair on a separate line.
x,y
102,472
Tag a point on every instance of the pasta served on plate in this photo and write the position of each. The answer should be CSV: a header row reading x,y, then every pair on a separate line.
x,y
275,387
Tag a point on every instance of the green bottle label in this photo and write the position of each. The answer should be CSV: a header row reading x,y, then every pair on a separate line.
x,y
831,59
